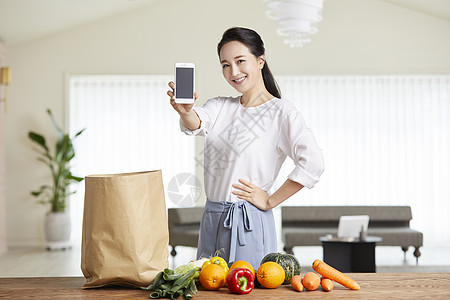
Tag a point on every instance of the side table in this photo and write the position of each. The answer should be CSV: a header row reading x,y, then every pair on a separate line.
x,y
350,256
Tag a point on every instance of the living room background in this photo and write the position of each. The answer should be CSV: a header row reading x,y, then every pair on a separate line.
x,y
370,37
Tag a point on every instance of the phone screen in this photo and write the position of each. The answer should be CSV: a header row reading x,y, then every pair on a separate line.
x,y
184,83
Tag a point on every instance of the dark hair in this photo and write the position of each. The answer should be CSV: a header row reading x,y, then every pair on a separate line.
x,y
254,43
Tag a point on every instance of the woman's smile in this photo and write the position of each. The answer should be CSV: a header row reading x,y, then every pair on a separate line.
x,y
240,80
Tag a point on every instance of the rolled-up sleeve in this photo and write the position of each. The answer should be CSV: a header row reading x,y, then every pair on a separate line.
x,y
298,142
207,114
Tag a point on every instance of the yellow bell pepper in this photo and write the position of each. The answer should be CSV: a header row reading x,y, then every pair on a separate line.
x,y
218,261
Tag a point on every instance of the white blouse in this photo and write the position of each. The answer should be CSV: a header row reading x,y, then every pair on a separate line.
x,y
252,143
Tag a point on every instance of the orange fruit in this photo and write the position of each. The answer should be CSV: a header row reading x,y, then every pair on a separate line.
x,y
212,277
242,264
270,275
311,281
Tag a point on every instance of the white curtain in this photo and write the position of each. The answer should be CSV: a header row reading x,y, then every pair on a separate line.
x,y
129,126
385,140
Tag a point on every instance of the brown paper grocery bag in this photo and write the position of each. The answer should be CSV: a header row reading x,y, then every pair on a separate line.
x,y
125,234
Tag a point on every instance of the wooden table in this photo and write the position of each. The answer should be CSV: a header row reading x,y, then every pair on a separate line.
x,y
373,286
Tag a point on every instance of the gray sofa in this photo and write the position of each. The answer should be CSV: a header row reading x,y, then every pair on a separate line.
x,y
184,225
304,225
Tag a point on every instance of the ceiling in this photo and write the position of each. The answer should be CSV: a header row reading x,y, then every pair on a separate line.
x,y
24,20
436,8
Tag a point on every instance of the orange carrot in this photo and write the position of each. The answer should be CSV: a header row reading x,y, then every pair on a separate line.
x,y
311,281
327,284
296,283
333,274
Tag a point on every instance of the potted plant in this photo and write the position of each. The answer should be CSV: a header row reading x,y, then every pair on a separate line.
x,y
55,194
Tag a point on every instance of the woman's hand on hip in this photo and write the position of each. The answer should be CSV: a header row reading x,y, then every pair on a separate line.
x,y
181,108
249,192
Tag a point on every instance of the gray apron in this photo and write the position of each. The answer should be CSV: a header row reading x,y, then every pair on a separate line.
x,y
236,231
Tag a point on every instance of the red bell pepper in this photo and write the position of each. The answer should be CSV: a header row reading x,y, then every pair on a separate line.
x,y
240,281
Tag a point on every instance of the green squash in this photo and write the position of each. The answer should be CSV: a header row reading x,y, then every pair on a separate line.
x,y
288,262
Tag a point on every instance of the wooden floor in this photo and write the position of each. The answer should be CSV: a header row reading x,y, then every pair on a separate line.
x,y
37,262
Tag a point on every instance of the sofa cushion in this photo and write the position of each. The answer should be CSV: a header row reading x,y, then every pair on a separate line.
x,y
305,236
186,215
332,213
186,235
402,236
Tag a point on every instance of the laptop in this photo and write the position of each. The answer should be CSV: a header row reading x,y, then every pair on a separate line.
x,y
350,226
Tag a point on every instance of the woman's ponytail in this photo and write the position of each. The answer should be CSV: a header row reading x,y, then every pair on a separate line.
x,y
270,82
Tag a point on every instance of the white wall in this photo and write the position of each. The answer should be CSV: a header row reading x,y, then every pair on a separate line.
x,y
3,107
356,37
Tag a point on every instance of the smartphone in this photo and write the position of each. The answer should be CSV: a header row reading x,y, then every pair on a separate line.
x,y
184,82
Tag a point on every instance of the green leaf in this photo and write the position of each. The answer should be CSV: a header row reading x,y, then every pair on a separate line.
x,y
58,129
79,132
71,193
39,139
77,179
42,189
70,156
36,193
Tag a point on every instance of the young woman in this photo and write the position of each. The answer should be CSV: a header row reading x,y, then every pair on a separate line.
x,y
247,139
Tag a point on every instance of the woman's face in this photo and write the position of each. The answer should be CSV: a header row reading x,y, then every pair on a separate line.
x,y
240,67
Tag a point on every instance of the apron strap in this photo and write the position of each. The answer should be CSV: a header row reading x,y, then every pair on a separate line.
x,y
238,220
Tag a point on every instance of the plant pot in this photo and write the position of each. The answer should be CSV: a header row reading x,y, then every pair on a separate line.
x,y
57,230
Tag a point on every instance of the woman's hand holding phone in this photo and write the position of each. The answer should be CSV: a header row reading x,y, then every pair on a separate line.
x,y
181,108
187,114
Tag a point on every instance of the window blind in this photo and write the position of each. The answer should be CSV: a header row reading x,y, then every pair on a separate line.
x,y
129,126
385,140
